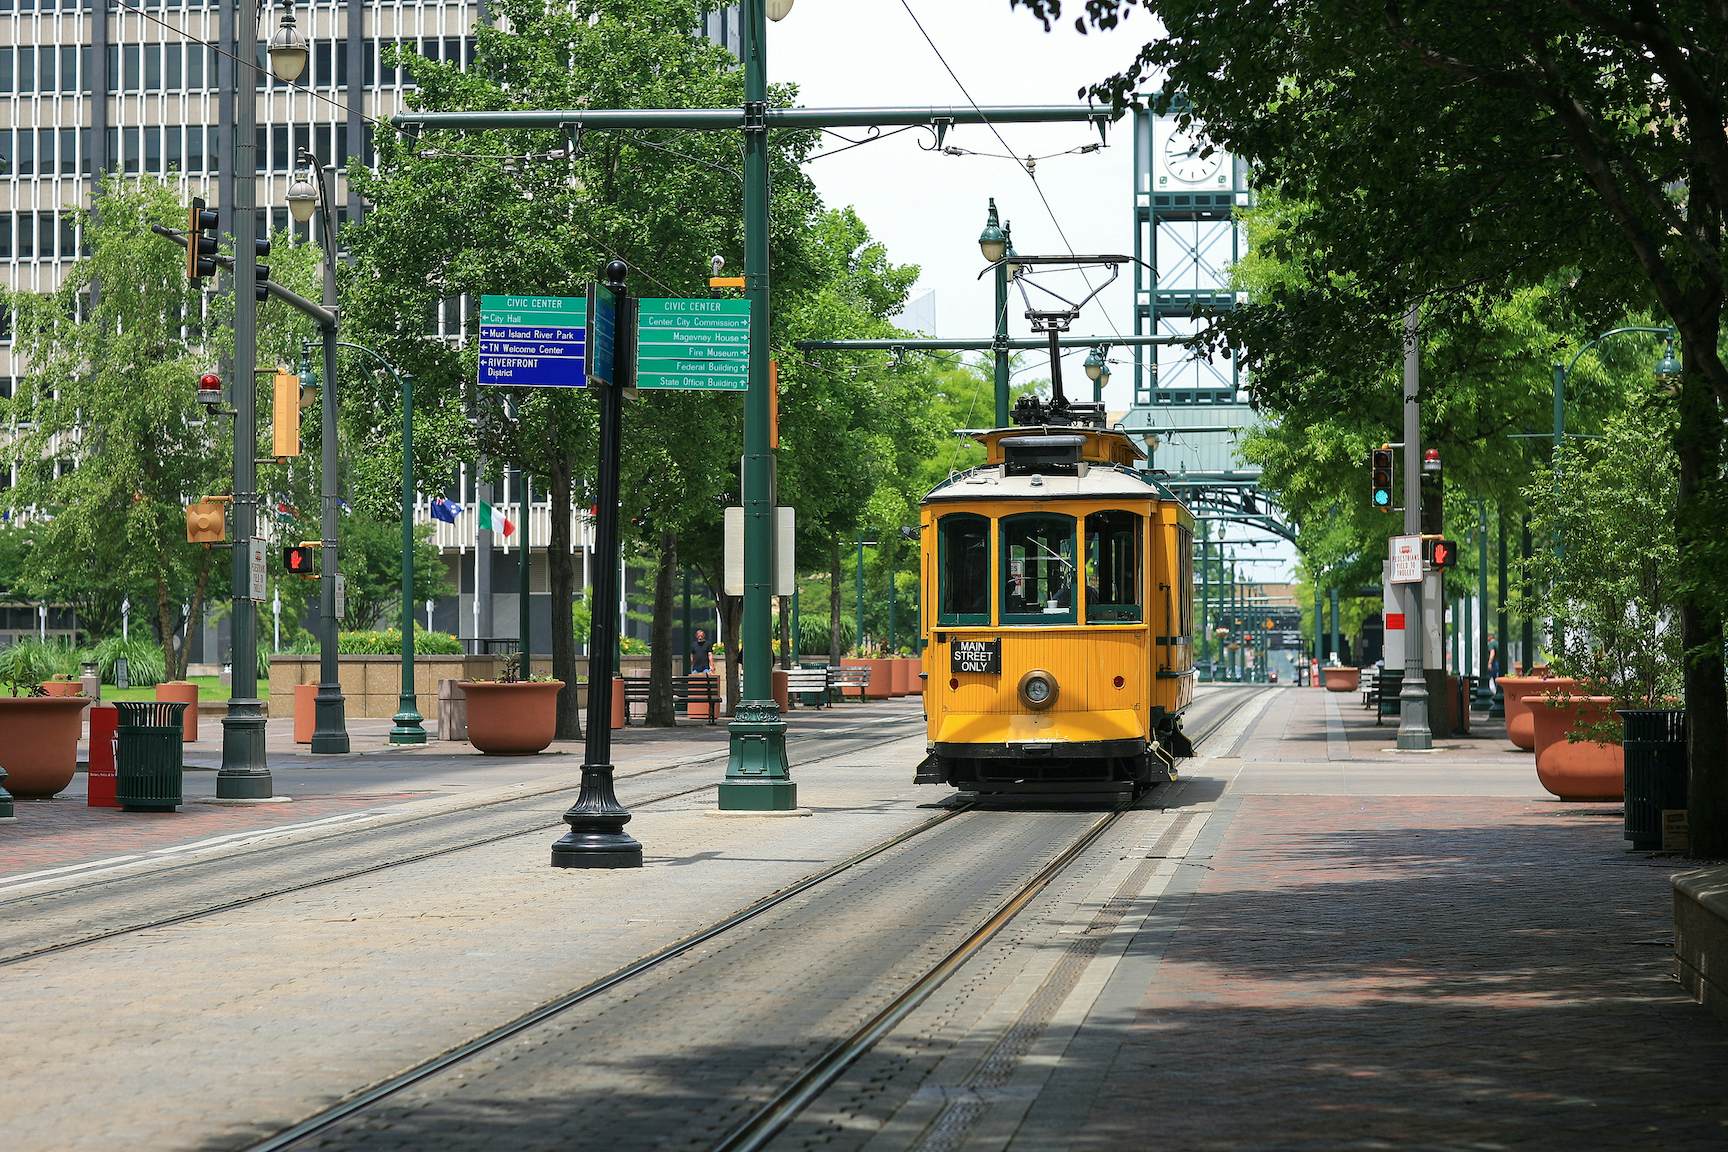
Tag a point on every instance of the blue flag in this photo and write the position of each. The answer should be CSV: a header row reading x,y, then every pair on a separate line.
x,y
443,509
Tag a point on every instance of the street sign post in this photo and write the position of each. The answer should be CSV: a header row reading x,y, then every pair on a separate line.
x,y
1406,559
699,345
533,341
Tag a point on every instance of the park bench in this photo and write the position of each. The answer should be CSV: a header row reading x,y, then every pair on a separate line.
x,y
686,690
809,684
840,679
1387,688
1370,686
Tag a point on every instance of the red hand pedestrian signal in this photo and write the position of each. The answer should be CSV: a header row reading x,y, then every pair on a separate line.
x,y
299,560
1441,553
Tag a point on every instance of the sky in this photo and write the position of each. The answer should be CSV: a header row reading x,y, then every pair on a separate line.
x,y
927,207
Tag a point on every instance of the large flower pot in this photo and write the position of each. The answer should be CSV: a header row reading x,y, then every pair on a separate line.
x,y
1575,771
699,709
1343,679
914,676
1520,725
512,719
62,687
305,712
899,676
40,748
877,689
183,692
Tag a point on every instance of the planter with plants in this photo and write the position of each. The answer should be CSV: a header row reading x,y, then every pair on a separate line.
x,y
40,751
512,717
1610,591
1341,678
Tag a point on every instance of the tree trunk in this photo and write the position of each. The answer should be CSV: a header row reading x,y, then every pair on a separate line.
x,y
661,713
561,569
1698,442
835,648
732,613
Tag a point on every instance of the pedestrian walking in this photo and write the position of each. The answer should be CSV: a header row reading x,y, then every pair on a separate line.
x,y
701,650
1493,664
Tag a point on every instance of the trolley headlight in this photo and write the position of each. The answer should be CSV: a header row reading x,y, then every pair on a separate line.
x,y
1038,690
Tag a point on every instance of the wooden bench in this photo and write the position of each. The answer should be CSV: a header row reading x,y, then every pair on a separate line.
x,y
1370,686
809,681
840,679
686,690
1386,694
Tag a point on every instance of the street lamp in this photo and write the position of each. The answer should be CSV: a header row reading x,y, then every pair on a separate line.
x,y
1669,369
308,198
994,244
777,9
288,52
1094,365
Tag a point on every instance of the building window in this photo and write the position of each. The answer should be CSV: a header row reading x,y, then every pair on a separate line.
x,y
1037,569
45,230
69,68
68,235
6,237
963,570
1113,583
133,150
68,152
194,148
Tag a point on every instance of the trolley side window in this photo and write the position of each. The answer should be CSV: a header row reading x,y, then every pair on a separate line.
x,y
963,570
1038,569
1113,580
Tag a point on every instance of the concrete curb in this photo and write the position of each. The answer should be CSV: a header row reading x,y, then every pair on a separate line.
x,y
1701,936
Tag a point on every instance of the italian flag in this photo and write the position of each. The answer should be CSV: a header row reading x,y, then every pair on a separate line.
x,y
492,520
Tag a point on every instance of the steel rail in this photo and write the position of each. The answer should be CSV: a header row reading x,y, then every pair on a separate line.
x,y
382,866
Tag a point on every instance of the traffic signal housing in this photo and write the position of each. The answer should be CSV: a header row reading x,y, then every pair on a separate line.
x,y
300,560
1440,554
201,223
261,290
285,425
1380,479
206,522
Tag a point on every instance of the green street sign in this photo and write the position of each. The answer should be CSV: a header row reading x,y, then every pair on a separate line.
x,y
701,345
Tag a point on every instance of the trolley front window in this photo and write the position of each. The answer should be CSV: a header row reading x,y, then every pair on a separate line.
x,y
1113,579
963,570
1038,569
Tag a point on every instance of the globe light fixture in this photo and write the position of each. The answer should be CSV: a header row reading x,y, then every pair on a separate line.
x,y
1669,369
777,9
302,198
287,49
993,242
1094,365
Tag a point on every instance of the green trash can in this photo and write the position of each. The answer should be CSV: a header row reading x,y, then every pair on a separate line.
x,y
150,755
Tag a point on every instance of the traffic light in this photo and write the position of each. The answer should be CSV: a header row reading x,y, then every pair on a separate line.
x,y
206,522
285,427
200,242
1380,482
299,560
1440,553
262,290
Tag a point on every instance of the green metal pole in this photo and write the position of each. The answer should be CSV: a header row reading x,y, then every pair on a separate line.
x,y
1337,647
1205,602
1557,626
797,629
893,596
524,576
858,614
999,346
686,641
757,775
1481,693
409,727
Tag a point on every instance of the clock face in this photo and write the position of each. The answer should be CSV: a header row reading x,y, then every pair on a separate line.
x,y
1182,159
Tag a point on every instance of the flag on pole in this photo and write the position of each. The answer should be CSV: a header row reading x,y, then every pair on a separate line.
x,y
492,520
443,510
286,511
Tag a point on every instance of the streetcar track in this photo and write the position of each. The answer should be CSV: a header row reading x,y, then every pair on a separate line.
x,y
771,1118
540,826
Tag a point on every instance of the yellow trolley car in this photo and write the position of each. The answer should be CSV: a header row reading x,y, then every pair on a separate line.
x,y
1058,618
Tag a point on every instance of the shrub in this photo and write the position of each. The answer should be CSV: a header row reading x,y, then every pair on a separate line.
x,y
813,634
389,643
28,661
145,664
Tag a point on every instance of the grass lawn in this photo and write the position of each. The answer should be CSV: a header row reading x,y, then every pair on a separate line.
x,y
209,688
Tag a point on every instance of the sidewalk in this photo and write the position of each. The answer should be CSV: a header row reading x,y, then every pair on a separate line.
x,y
65,832
1376,950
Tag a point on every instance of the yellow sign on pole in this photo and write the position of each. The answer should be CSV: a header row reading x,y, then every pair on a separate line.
x,y
285,427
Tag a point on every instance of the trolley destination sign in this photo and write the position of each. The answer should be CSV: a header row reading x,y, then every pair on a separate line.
x,y
975,656
533,341
700,345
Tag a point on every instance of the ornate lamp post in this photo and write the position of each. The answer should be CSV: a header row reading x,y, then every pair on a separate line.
x,y
994,244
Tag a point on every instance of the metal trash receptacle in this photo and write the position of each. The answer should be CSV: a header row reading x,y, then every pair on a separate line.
x,y
150,755
1655,753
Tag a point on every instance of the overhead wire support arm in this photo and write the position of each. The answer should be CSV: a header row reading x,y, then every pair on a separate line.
x,y
320,315
722,119
983,344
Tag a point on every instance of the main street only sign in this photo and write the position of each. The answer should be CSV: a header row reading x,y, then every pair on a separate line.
x,y
700,345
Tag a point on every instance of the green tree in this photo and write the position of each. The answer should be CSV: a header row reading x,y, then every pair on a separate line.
x,y
1448,153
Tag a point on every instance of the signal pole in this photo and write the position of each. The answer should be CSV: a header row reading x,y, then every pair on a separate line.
x,y
245,774
1414,735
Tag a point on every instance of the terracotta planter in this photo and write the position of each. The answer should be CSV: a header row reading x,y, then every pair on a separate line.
x,y
1581,771
699,709
305,712
620,704
1343,679
184,692
914,676
1520,725
899,676
782,696
62,688
872,691
512,719
40,748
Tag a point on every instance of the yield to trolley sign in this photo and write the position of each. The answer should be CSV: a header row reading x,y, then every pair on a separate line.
x,y
533,341
1406,559
703,345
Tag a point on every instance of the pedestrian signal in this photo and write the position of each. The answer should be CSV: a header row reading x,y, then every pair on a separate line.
x,y
1441,553
206,523
200,242
299,560
1380,480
